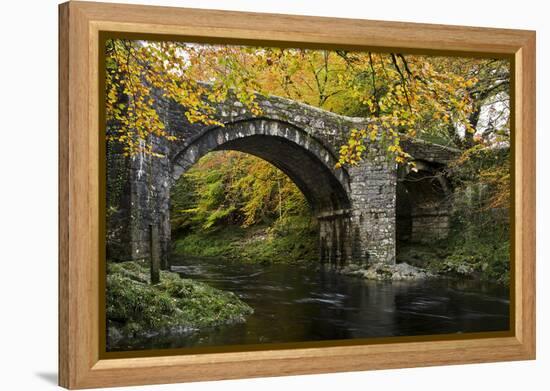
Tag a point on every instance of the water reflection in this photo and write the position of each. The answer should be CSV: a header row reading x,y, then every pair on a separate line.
x,y
294,303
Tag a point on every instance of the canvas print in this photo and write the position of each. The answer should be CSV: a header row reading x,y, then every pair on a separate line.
x,y
274,195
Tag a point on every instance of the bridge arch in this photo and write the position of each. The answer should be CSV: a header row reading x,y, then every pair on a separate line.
x,y
355,207
306,161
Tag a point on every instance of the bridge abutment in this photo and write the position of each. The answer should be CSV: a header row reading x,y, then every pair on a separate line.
x,y
143,201
373,195
335,242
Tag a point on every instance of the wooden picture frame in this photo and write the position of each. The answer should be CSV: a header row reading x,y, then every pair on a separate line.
x,y
80,361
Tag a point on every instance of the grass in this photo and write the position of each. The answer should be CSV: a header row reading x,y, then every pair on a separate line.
x,y
135,307
217,243
258,244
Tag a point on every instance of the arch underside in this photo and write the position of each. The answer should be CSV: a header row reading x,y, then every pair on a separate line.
x,y
305,160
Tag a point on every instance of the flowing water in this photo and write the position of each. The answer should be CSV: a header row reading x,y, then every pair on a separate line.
x,y
296,302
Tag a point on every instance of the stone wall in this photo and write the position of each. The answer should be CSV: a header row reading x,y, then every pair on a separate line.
x,y
373,192
424,204
144,201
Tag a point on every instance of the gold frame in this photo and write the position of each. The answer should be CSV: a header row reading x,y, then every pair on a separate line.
x,y
81,364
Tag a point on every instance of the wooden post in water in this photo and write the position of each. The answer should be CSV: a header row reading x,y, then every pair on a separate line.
x,y
155,253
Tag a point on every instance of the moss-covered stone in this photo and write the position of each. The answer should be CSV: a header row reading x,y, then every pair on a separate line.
x,y
135,307
388,272
484,258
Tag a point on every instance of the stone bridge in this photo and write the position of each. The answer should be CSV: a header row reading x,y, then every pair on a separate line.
x,y
363,211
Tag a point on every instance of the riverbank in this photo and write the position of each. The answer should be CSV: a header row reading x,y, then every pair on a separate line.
x,y
258,244
175,305
476,259
483,257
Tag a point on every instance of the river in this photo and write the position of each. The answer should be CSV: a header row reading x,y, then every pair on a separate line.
x,y
297,302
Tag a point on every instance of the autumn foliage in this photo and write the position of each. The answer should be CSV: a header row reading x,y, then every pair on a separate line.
x,y
460,102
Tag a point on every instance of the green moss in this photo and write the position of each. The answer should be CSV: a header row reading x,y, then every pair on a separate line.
x,y
289,241
215,243
485,260
136,307
484,257
421,255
